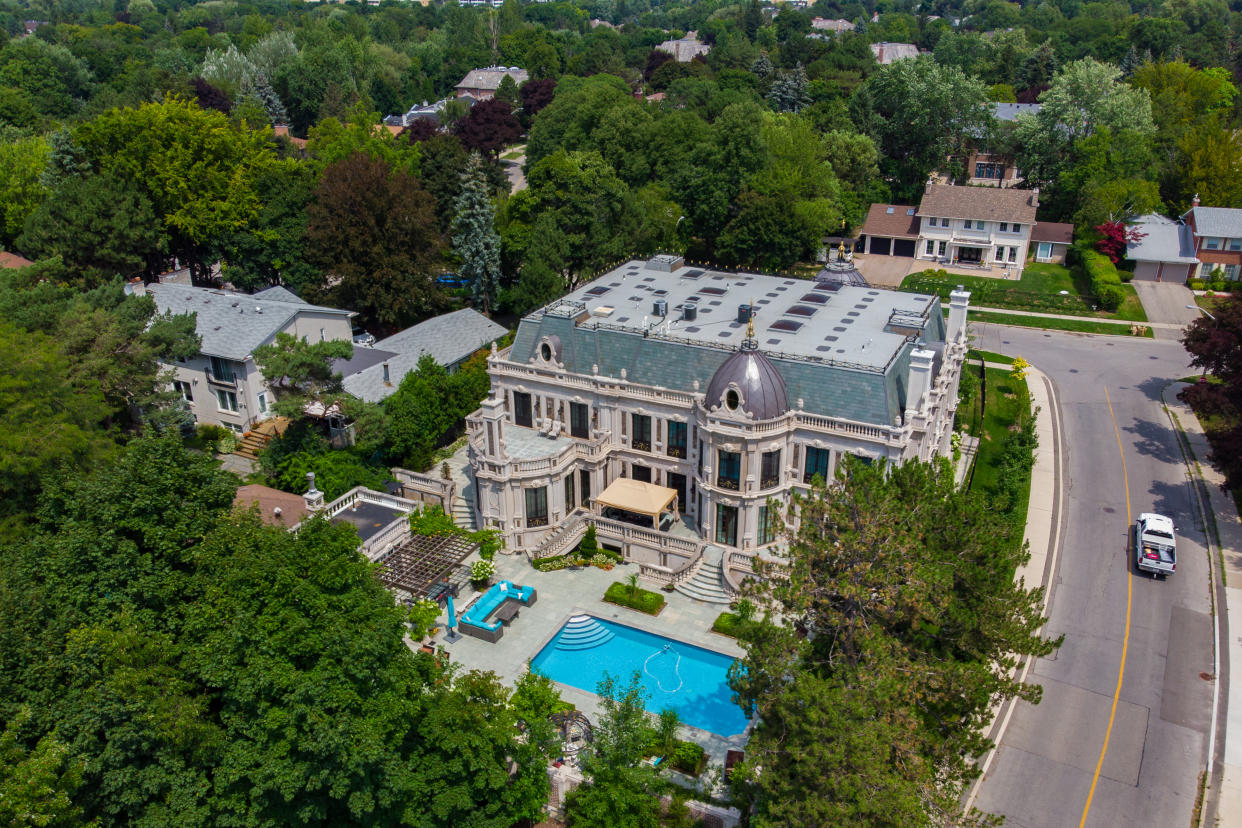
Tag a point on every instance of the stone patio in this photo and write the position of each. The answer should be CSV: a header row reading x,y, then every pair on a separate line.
x,y
568,592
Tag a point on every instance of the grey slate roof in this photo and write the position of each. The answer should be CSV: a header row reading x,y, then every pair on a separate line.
x,y
447,338
1011,111
231,324
1217,221
843,360
1165,240
280,294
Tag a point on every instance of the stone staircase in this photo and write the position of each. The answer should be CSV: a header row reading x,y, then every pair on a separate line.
x,y
707,583
463,510
463,500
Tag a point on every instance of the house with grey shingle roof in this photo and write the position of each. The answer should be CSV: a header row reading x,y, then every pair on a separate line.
x,y
716,395
1217,237
373,374
481,84
221,385
981,226
685,48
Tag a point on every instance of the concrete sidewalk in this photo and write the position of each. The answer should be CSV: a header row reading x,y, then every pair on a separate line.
x,y
1164,326
1223,797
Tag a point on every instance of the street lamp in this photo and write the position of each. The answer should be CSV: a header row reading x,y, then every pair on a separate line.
x,y
1202,311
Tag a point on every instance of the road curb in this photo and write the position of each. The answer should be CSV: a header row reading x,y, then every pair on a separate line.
x,y
1043,536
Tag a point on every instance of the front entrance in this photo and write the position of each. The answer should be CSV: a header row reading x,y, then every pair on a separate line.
x,y
677,482
970,255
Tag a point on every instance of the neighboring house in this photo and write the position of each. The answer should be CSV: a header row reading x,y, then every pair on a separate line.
x,y
979,226
276,508
373,374
1051,241
428,111
885,53
992,169
890,230
481,84
686,49
716,396
1165,250
12,261
825,25
1216,233
222,385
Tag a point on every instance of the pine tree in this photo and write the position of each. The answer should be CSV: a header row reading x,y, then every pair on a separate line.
x,y
475,239
789,93
763,67
66,160
270,101
508,92
1130,62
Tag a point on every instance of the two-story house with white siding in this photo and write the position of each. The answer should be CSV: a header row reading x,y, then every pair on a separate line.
x,y
678,409
221,385
983,226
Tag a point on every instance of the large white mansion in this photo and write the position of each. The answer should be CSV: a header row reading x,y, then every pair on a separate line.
x,y
711,397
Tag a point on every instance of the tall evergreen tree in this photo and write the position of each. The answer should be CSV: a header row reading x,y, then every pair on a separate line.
x,y
789,92
475,238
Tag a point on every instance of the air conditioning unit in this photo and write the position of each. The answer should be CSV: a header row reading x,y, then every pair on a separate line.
x,y
660,307
690,312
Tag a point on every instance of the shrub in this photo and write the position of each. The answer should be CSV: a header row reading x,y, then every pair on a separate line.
x,y
643,600
689,758
727,624
423,615
588,546
481,570
1196,284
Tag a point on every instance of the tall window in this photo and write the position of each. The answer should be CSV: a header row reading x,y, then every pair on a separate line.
x,y
221,370
930,249
677,482
570,503
642,432
767,525
584,479
642,473
701,458
537,506
1013,254
770,469
184,389
942,249
227,400
579,419
521,410
676,439
816,464
262,402
726,525
729,470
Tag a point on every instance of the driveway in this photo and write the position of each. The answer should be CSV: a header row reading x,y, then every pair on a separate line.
x,y
1166,302
886,271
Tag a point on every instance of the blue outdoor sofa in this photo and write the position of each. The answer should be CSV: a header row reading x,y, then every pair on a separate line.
x,y
474,621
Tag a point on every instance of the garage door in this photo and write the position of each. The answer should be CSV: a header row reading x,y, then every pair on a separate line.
x,y
903,247
1146,271
880,246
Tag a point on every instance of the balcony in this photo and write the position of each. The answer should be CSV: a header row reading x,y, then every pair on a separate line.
x,y
770,482
641,445
677,451
729,483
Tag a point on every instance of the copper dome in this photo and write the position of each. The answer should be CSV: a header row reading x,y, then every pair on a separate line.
x,y
759,388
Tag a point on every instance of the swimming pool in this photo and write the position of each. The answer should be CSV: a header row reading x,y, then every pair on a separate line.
x,y
691,680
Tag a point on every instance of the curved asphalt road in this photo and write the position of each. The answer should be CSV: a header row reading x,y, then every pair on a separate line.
x,y
1045,767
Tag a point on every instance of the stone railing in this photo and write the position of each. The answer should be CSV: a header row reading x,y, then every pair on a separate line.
x,y
668,575
599,384
650,538
429,489
362,493
392,534
563,539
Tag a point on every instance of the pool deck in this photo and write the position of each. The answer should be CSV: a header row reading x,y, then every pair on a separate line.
x,y
567,592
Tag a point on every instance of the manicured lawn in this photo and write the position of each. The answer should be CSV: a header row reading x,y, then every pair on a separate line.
x,y
643,600
1208,303
512,156
1038,290
1005,400
1079,325
989,356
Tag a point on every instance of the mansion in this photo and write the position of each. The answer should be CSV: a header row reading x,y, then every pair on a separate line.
x,y
677,409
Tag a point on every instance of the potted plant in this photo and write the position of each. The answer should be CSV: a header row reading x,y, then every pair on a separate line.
x,y
481,572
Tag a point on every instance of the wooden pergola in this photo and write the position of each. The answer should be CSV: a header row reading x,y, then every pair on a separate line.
x,y
422,560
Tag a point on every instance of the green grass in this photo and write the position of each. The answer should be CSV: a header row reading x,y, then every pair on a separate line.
x,y
1038,290
513,156
637,598
1078,325
1209,303
726,624
989,356
1005,400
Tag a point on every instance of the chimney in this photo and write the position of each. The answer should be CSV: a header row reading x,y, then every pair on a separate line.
x,y
959,301
1035,197
313,497
1194,202
921,362
387,378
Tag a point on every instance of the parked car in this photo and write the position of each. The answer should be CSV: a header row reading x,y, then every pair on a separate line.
x,y
1155,544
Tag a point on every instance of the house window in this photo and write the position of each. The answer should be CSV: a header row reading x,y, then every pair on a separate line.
x,y
702,455
943,249
1013,254
930,249
262,402
1017,228
729,470
226,400
767,525
677,482
1231,272
235,428
1235,244
1004,227
1043,252
770,469
642,432
1211,244
521,409
989,170
222,370
676,439
584,484
537,506
570,504
968,224
1000,254
816,464
726,525
579,419
640,473
184,389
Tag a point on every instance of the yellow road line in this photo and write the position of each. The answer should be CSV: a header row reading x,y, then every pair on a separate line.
x,y
1125,642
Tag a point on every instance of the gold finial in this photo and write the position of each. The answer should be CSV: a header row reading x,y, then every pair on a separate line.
x,y
750,320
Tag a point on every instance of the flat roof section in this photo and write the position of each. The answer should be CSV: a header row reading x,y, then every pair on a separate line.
x,y
367,518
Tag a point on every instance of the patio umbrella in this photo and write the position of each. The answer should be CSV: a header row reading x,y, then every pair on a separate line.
x,y
452,619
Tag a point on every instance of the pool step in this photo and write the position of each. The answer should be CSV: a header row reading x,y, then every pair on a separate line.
x,y
582,632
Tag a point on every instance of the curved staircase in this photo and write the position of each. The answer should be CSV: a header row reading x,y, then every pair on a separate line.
x,y
707,583
582,632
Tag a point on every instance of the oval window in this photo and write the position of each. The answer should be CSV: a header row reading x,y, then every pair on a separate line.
x,y
732,400
545,351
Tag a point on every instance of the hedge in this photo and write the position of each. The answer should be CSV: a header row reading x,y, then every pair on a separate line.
x,y
1217,286
642,600
1103,277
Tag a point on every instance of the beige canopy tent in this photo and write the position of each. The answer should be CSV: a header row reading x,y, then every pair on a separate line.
x,y
638,497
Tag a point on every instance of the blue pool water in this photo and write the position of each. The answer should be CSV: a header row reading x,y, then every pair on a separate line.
x,y
688,679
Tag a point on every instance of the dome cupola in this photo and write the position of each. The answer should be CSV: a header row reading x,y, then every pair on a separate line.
x,y
748,384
